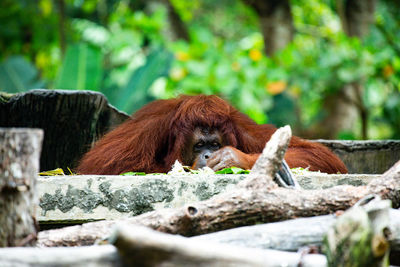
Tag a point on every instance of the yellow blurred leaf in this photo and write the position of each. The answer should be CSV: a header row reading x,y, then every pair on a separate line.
x,y
46,6
275,88
42,60
182,56
255,54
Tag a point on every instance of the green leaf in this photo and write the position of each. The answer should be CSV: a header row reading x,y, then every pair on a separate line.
x,y
136,93
233,170
133,173
55,172
81,68
18,75
347,75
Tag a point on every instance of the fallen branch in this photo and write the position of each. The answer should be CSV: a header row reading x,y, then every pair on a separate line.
x,y
291,235
254,200
142,246
94,256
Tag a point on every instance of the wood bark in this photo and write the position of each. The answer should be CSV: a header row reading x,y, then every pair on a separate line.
x,y
290,235
276,23
356,16
360,236
19,164
145,247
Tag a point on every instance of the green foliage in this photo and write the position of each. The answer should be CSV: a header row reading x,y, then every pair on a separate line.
x,y
81,69
123,49
135,93
238,72
133,173
18,75
232,170
54,172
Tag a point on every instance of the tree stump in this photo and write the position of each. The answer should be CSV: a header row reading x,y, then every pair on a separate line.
x,y
19,165
71,120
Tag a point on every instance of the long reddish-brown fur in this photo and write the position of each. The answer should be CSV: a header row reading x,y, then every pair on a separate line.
x,y
155,136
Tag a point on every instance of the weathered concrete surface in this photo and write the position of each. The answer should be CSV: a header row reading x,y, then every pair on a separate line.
x,y
72,199
315,180
366,156
88,197
71,120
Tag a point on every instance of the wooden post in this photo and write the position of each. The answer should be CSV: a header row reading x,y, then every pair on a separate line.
x,y
19,165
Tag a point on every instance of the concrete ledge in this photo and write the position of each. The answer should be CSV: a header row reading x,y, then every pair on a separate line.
x,y
370,156
314,181
83,198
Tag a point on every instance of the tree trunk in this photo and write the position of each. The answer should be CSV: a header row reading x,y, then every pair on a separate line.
x,y
19,165
356,16
276,23
342,112
177,26
345,106
71,120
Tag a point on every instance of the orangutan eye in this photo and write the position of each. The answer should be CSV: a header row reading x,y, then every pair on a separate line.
x,y
199,145
215,144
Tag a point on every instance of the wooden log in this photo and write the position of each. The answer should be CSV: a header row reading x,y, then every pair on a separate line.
x,y
19,164
94,256
360,236
141,246
271,158
249,203
291,235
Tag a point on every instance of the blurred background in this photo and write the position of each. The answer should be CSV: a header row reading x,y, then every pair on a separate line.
x,y
329,68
